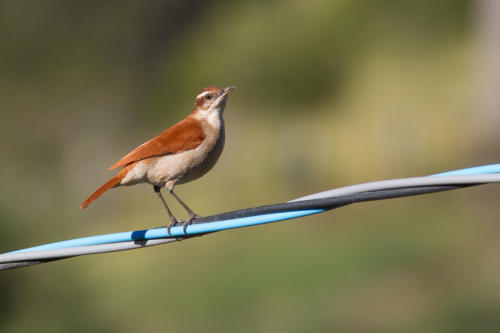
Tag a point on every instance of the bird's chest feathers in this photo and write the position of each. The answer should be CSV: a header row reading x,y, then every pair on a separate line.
x,y
193,163
213,127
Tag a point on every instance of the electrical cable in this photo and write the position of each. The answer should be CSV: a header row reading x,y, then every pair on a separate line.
x,y
19,258
405,182
304,206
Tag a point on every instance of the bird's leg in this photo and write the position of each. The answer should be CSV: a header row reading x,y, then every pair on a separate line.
x,y
173,220
192,215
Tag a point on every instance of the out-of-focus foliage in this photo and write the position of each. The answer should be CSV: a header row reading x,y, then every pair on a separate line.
x,y
329,93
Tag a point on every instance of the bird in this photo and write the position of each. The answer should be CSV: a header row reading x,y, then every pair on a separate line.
x,y
182,153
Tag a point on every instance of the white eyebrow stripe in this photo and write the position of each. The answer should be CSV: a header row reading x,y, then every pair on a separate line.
x,y
203,94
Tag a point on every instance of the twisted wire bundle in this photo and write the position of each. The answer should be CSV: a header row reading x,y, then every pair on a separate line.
x,y
308,205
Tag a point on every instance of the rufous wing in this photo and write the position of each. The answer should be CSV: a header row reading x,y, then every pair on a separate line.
x,y
183,136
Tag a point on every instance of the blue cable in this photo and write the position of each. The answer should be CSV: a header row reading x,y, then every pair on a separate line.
x,y
480,170
194,229
141,235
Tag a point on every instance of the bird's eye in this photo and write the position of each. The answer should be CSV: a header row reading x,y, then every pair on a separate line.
x,y
208,96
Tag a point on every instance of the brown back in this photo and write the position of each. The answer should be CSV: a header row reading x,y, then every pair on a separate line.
x,y
183,136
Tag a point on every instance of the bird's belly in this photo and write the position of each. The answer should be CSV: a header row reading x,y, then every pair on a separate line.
x,y
186,166
207,164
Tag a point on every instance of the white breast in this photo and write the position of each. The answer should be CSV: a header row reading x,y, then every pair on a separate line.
x,y
185,166
191,164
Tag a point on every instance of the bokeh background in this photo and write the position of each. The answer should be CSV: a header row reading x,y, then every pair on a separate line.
x,y
329,93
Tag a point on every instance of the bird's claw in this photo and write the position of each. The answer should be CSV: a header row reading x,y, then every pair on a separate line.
x,y
185,224
173,223
191,218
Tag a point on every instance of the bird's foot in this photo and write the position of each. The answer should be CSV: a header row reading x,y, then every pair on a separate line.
x,y
191,218
173,223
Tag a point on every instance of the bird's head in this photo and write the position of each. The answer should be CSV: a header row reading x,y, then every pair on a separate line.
x,y
212,99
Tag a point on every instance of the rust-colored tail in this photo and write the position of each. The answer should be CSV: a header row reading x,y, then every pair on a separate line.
x,y
104,187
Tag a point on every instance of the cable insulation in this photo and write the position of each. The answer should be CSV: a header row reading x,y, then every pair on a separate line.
x,y
308,205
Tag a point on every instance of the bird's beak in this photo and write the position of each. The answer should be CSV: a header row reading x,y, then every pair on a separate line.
x,y
228,90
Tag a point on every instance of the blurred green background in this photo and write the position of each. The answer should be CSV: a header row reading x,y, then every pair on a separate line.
x,y
329,93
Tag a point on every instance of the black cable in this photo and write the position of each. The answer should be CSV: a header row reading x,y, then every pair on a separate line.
x,y
324,203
